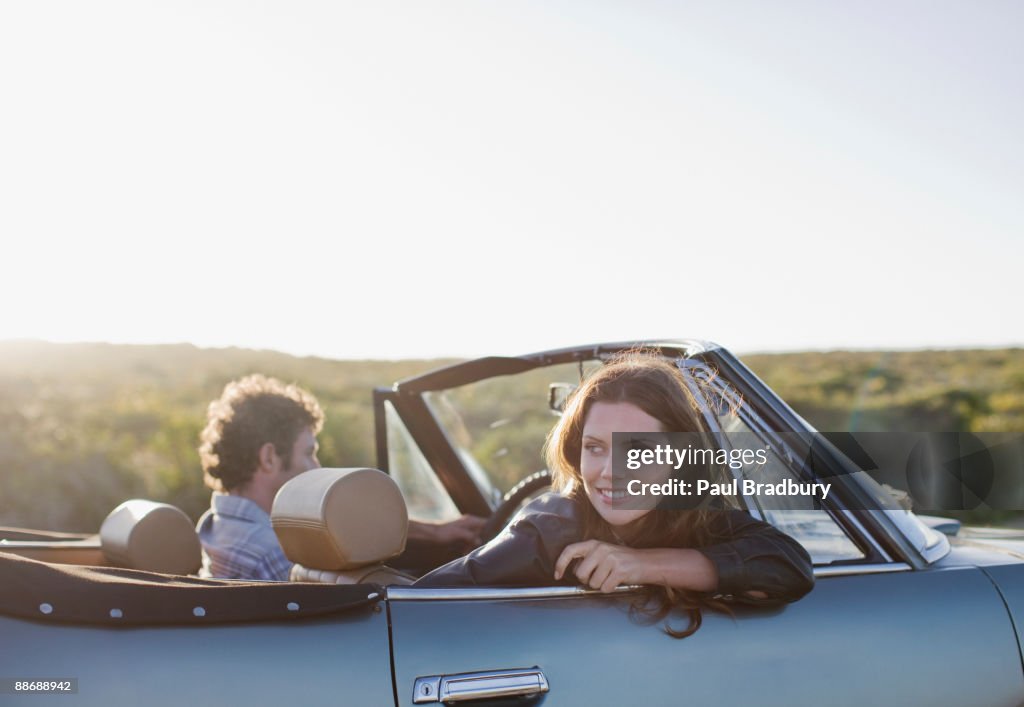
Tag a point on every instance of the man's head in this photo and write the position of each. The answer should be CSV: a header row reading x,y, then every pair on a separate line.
x,y
259,424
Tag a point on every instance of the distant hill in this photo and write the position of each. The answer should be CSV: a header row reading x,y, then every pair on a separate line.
x,y
85,426
971,390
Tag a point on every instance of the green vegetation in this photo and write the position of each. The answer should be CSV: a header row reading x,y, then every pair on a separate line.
x,y
86,426
969,391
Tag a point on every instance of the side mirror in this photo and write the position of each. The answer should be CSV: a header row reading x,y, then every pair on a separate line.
x,y
558,396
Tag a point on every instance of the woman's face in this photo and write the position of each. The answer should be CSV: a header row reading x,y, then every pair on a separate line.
x,y
596,459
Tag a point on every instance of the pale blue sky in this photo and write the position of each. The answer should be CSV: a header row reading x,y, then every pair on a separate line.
x,y
405,179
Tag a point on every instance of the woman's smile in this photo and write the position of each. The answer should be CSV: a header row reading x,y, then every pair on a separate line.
x,y
607,495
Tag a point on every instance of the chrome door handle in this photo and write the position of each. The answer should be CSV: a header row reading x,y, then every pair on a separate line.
x,y
464,687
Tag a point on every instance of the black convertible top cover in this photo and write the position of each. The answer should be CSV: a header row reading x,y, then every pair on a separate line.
x,y
120,597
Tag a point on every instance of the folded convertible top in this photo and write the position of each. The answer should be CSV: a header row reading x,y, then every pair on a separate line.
x,y
121,597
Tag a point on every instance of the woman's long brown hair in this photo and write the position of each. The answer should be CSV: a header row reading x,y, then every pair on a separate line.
x,y
657,387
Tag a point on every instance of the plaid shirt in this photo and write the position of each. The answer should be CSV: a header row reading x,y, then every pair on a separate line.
x,y
239,542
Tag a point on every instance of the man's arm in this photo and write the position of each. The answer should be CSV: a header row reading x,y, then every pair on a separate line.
x,y
464,531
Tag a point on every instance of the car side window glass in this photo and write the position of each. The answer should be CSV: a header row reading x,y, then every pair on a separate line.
x,y
424,495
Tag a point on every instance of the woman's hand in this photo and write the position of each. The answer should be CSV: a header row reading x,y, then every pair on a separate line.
x,y
602,565
605,566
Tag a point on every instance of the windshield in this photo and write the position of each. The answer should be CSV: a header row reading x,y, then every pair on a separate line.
x,y
498,425
889,501
885,500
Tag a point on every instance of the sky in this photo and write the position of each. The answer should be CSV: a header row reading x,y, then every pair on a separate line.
x,y
415,179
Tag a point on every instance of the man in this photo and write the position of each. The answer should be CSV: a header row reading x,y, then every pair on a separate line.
x,y
260,434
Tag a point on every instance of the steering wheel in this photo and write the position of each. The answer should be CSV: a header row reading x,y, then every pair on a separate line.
x,y
511,501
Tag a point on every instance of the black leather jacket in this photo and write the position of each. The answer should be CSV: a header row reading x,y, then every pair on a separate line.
x,y
756,556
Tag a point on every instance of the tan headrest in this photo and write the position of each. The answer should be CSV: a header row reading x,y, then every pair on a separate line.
x,y
339,519
145,535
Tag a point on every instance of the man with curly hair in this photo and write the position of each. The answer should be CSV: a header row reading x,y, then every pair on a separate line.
x,y
260,434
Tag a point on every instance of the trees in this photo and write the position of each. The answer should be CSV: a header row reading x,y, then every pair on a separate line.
x,y
85,426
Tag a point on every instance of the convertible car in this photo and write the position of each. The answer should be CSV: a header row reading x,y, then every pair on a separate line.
x,y
906,610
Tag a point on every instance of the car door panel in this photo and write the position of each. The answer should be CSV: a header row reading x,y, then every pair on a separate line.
x,y
342,660
1010,580
910,638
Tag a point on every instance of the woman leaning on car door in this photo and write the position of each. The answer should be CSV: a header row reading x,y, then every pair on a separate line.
x,y
685,559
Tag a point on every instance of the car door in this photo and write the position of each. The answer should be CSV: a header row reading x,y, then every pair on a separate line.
x,y
874,635
336,660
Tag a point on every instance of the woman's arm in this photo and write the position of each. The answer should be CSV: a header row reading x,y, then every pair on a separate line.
x,y
754,562
521,555
605,566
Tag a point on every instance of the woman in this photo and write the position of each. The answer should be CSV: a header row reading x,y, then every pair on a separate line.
x,y
583,533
